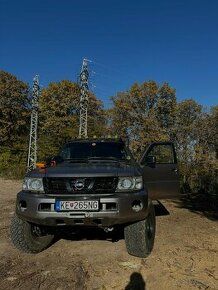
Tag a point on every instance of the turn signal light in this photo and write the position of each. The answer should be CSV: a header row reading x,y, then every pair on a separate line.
x,y
40,165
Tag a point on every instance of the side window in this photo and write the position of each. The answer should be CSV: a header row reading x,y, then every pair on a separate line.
x,y
163,153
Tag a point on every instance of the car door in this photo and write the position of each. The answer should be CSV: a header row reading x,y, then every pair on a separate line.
x,y
160,170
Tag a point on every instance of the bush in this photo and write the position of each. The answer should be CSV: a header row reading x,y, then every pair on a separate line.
x,y
12,165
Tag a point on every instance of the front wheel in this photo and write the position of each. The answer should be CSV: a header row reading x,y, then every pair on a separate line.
x,y
29,238
139,236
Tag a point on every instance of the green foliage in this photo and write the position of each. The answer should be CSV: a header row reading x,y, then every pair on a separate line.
x,y
150,112
14,112
14,125
96,117
58,121
146,113
12,164
59,116
166,109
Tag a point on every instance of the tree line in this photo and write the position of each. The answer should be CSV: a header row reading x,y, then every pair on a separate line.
x,y
145,113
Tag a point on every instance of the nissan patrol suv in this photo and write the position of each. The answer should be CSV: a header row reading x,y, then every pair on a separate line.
x,y
95,183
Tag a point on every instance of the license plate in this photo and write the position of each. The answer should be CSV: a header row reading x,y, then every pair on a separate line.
x,y
84,205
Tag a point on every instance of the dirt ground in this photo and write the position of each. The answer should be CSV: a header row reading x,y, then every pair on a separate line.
x,y
185,255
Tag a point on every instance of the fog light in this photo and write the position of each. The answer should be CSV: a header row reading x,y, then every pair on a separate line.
x,y
23,205
137,205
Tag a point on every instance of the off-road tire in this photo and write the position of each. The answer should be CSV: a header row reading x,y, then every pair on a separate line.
x,y
139,236
24,239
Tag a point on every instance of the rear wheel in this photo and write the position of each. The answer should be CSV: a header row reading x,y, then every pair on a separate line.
x,y
29,238
139,236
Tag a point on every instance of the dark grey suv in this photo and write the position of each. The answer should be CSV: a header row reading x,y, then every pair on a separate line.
x,y
95,183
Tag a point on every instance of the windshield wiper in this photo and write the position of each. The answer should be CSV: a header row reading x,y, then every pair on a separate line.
x,y
72,160
94,158
103,158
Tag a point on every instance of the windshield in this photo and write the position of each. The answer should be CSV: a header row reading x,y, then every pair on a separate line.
x,y
85,150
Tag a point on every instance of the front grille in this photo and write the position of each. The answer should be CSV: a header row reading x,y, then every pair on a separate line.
x,y
56,185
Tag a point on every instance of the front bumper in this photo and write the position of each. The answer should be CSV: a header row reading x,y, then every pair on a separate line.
x,y
114,209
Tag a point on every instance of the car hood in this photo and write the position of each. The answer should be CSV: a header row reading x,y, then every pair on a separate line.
x,y
92,169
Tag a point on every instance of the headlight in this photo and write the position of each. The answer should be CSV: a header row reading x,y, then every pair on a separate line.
x,y
130,183
33,184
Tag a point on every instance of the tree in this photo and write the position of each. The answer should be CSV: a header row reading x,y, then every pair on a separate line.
x,y
14,124
97,119
196,142
14,110
119,115
59,116
188,116
206,157
166,109
212,138
144,113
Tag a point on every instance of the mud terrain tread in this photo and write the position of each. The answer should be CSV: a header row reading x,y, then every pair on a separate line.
x,y
22,239
137,242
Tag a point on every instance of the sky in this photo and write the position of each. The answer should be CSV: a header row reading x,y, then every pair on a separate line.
x,y
125,41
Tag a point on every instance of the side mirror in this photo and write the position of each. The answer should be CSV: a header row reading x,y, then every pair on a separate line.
x,y
51,161
150,160
58,159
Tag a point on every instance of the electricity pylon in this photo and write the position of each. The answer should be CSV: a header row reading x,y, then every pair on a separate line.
x,y
84,98
32,153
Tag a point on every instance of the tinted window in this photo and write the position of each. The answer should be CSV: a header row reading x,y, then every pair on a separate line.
x,y
93,149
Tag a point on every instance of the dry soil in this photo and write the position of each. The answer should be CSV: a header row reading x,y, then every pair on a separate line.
x,y
185,255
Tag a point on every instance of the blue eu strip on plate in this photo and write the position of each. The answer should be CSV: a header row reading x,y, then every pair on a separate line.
x,y
57,205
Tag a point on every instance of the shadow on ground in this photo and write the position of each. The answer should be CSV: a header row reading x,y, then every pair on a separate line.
x,y
94,233
91,234
136,282
160,209
202,204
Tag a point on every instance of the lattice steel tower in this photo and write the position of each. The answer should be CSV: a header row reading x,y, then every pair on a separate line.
x,y
84,88
32,154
